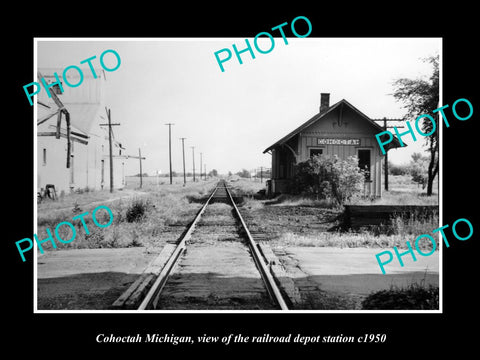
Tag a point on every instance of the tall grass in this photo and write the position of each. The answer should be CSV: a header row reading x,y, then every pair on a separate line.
x,y
397,198
246,186
413,224
302,200
137,221
396,233
341,240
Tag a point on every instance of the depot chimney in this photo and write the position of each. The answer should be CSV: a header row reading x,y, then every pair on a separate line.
x,y
324,102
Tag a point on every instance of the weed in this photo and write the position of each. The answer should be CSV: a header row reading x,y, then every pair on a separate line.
x,y
303,200
412,297
93,240
323,300
76,209
135,242
136,210
251,204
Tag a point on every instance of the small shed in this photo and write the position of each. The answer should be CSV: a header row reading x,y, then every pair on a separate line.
x,y
340,129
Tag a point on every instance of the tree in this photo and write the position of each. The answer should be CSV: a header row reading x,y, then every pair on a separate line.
x,y
213,172
419,169
394,169
421,97
244,173
329,177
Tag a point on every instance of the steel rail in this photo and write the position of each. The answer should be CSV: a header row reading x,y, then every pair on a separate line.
x,y
270,284
151,299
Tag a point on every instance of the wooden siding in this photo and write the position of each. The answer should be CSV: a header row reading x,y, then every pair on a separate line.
x,y
341,123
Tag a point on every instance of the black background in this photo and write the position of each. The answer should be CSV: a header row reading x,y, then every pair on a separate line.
x,y
64,335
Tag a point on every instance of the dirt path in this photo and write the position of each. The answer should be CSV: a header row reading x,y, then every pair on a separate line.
x,y
337,279
87,279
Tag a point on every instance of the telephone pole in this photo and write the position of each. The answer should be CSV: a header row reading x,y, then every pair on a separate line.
x,y
385,126
170,148
193,155
140,159
386,157
110,144
183,152
201,168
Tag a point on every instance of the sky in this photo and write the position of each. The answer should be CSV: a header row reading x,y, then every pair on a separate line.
x,y
231,117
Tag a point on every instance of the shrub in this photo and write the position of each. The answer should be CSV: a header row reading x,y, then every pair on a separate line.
x,y
329,177
394,169
136,210
413,297
419,169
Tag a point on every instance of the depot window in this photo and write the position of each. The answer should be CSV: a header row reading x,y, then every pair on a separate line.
x,y
316,151
364,162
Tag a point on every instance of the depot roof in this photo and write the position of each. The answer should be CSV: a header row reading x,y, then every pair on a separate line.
x,y
394,144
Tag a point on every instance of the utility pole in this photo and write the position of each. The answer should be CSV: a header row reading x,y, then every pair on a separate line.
x,y
170,148
183,152
110,144
386,156
140,159
201,168
193,154
386,152
205,171
261,174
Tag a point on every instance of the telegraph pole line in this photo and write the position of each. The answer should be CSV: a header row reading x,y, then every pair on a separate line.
x,y
170,148
110,144
193,155
183,152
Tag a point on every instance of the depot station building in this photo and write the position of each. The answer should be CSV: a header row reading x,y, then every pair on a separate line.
x,y
340,129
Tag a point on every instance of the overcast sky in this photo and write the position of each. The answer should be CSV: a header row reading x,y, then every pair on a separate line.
x,y
232,116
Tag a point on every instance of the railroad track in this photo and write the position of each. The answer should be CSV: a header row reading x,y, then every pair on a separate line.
x,y
216,265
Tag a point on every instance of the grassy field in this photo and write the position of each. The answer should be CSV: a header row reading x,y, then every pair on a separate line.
x,y
159,212
285,218
152,182
403,191
150,217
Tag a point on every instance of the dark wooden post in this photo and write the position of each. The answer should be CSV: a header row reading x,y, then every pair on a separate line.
x,y
183,152
386,156
170,148
140,159
111,149
193,156
385,127
110,144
